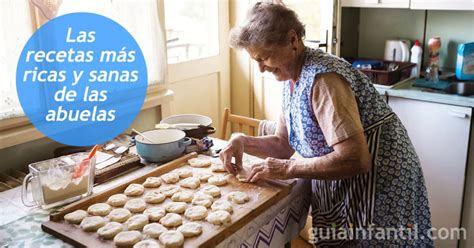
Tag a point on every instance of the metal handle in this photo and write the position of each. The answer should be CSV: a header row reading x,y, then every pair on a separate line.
x,y
24,189
458,114
186,141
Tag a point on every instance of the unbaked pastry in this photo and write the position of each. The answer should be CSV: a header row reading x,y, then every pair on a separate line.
x,y
91,224
152,182
127,238
148,243
134,189
219,217
211,190
99,209
196,213
137,222
154,197
203,176
171,220
190,229
217,168
154,213
110,230
75,217
136,205
172,239
190,182
119,215
217,180
169,190
171,177
238,197
222,205
176,207
117,200
184,172
202,199
154,230
199,162
182,196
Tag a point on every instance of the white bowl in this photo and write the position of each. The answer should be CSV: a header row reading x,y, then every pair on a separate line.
x,y
188,118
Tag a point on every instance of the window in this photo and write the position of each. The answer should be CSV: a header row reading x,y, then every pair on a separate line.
x,y
191,29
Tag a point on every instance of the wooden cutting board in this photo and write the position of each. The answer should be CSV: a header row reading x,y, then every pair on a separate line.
x,y
262,195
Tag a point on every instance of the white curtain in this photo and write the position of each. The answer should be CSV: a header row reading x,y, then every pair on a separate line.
x,y
139,17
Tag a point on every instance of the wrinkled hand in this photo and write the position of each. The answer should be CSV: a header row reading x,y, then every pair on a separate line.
x,y
235,148
271,168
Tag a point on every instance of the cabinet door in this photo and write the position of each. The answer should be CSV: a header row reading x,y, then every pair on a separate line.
x,y
442,4
376,3
440,134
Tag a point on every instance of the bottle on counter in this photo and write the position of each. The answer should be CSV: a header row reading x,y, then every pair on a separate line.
x,y
416,52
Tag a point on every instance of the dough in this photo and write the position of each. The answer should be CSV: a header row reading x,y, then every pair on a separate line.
x,y
184,173
219,217
196,213
222,205
182,196
172,239
152,182
199,162
154,213
149,243
127,238
75,217
176,207
117,200
241,178
190,182
190,229
204,176
218,168
119,215
202,199
99,209
218,180
238,197
91,224
154,197
171,177
134,190
110,230
154,230
169,190
136,205
137,222
171,220
211,190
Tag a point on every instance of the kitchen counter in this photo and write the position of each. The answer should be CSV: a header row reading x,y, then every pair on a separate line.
x,y
406,90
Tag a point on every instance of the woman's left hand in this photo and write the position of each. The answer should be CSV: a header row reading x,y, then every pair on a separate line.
x,y
271,168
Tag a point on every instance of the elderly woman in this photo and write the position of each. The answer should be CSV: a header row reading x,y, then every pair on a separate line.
x,y
367,183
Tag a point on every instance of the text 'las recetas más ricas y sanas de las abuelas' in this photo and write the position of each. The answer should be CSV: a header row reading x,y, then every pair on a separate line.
x,y
81,72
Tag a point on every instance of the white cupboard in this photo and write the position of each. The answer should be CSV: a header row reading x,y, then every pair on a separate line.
x,y
440,134
442,4
376,3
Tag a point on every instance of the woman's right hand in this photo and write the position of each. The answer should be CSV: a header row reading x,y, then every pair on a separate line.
x,y
235,148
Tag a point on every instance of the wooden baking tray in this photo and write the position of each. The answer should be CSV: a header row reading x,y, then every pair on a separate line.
x,y
263,195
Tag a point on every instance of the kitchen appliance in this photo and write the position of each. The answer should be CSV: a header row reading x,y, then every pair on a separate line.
x,y
195,126
56,182
397,50
167,145
465,62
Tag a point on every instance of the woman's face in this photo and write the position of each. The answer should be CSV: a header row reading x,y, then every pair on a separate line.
x,y
280,61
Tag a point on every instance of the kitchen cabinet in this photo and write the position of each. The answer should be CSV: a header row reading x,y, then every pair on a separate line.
x,y
376,3
440,134
442,4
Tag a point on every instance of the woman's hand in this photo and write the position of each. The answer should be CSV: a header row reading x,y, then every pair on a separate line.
x,y
271,168
235,148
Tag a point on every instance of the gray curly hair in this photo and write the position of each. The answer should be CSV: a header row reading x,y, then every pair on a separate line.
x,y
267,25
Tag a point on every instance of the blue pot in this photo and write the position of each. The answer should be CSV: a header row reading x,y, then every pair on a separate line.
x,y
167,145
